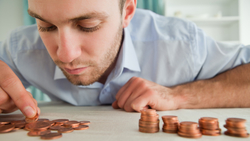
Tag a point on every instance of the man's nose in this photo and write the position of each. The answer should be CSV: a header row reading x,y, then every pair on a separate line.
x,y
68,46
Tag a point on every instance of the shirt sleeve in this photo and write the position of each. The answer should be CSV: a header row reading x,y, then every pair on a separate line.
x,y
7,54
212,57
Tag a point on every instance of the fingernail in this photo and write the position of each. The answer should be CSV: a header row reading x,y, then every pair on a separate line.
x,y
29,112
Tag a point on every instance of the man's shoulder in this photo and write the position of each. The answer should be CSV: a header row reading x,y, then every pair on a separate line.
x,y
147,25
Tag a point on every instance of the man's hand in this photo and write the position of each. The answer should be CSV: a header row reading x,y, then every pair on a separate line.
x,y
139,93
13,95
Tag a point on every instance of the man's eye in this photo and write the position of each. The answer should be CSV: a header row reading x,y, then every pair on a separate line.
x,y
47,29
91,29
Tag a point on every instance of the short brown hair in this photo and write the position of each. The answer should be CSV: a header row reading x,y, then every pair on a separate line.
x,y
122,2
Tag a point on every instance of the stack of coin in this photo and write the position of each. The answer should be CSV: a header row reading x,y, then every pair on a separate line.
x,y
149,122
44,128
189,130
209,126
236,127
171,124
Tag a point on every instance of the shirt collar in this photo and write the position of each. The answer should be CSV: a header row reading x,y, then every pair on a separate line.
x,y
127,58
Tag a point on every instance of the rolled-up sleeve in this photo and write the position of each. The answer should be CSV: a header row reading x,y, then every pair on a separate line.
x,y
8,48
212,57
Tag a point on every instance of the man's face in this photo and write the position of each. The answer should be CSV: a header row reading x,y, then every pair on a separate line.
x,y
83,37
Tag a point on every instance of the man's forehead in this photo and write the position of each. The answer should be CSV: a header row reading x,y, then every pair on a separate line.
x,y
67,9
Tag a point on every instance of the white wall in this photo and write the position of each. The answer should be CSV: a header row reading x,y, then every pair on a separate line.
x,y
11,16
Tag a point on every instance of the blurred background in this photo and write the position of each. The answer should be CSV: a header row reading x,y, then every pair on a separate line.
x,y
224,20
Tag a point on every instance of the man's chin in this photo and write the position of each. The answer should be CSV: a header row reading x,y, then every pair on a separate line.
x,y
81,80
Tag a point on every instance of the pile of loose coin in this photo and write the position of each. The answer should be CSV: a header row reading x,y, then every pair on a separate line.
x,y
44,128
236,127
149,122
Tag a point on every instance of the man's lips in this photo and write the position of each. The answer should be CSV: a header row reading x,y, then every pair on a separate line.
x,y
75,71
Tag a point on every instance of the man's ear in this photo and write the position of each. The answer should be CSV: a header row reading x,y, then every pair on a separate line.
x,y
128,12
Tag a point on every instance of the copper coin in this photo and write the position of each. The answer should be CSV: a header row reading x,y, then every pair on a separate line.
x,y
208,120
4,122
148,112
169,131
232,131
38,126
152,125
150,118
210,132
84,122
236,129
148,130
237,135
20,125
188,124
170,118
15,129
190,130
38,133
51,136
170,127
72,124
30,120
57,127
43,119
60,120
149,122
189,135
236,122
52,123
82,127
18,121
65,130
6,128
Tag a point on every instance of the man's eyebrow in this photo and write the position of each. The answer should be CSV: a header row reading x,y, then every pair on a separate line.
x,y
93,15
33,14
97,15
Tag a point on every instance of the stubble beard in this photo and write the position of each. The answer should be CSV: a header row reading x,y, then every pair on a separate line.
x,y
98,71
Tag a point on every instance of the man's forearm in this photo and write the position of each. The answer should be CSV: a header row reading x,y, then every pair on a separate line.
x,y
228,89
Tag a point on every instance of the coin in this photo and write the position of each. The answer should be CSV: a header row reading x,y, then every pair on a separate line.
x,y
189,135
30,120
60,120
81,127
65,130
43,119
4,122
38,133
148,112
38,126
56,127
169,118
6,128
72,124
236,122
51,136
237,135
84,122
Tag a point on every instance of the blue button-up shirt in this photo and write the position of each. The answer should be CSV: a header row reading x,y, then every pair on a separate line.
x,y
168,51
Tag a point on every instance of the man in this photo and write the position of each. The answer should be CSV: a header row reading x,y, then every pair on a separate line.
x,y
92,52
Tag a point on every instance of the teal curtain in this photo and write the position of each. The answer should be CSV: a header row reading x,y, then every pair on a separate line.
x,y
157,6
28,20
